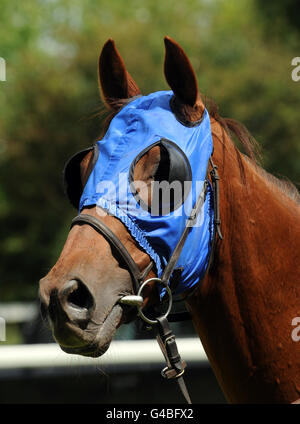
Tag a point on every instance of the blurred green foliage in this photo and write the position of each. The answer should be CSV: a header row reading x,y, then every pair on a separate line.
x,y
49,103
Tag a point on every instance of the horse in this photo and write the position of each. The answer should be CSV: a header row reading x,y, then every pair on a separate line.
x,y
243,304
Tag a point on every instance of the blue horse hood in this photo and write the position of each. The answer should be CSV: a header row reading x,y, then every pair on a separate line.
x,y
139,125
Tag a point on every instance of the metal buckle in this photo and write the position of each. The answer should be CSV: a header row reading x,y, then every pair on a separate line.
x,y
168,372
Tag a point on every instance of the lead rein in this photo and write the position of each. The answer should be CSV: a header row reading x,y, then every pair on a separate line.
x,y
175,365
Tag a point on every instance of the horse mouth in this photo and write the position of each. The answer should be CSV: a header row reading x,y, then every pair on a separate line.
x,y
94,341
93,351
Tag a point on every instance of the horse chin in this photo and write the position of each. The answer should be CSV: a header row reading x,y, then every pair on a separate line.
x,y
96,339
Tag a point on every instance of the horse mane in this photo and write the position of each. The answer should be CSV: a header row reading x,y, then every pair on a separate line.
x,y
234,129
252,150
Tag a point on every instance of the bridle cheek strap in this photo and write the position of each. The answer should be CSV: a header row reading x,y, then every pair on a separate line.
x,y
105,231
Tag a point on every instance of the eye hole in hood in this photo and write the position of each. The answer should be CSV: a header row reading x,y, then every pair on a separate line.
x,y
72,183
160,177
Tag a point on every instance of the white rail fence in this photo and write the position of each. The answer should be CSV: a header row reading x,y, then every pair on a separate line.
x,y
133,352
121,352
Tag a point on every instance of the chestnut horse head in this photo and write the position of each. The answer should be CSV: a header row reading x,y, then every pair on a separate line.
x,y
244,305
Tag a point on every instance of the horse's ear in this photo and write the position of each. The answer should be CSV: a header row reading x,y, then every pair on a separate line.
x,y
116,83
182,80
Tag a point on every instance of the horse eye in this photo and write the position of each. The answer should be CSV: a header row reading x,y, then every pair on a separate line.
x,y
161,187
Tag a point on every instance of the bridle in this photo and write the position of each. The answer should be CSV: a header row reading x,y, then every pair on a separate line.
x,y
166,339
136,275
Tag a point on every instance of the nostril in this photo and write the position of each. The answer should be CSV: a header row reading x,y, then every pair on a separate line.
x,y
80,297
77,302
